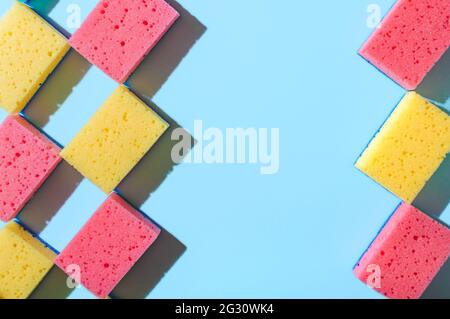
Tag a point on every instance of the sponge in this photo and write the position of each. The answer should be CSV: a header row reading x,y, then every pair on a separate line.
x,y
406,255
27,158
118,34
409,147
108,246
24,262
410,40
114,140
29,51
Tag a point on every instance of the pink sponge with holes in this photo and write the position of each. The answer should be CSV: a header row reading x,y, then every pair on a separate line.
x,y
108,246
27,158
406,255
119,33
410,40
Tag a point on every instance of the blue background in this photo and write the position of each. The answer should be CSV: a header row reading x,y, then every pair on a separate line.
x,y
260,63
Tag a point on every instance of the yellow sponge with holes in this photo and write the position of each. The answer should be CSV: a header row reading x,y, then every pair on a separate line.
x,y
115,139
24,261
409,148
30,49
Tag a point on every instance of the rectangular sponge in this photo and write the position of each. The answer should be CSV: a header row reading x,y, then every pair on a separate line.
x,y
114,140
30,49
410,40
110,243
118,34
406,255
24,262
409,148
27,158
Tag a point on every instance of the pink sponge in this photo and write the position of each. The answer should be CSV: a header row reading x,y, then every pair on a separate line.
x,y
406,255
27,158
410,40
108,246
118,34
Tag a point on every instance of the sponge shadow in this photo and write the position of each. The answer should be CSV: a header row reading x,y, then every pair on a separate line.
x,y
162,60
42,7
49,199
150,269
157,164
436,85
57,88
435,196
440,286
53,286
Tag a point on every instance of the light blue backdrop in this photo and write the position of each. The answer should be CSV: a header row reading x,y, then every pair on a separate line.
x,y
284,64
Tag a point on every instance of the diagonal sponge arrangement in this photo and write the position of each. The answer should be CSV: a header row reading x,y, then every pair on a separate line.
x,y
110,243
27,158
409,148
412,247
24,261
118,34
114,140
116,37
30,49
410,250
410,40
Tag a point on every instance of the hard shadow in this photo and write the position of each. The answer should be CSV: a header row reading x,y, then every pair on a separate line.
x,y
156,165
43,7
150,269
440,286
162,60
57,88
53,286
49,199
436,85
435,196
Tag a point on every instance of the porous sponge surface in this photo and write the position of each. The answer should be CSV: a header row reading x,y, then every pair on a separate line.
x,y
409,252
118,34
409,148
118,135
108,245
27,158
410,40
29,51
24,261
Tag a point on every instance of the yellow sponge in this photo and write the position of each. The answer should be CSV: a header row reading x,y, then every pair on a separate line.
x,y
409,148
114,140
29,51
24,261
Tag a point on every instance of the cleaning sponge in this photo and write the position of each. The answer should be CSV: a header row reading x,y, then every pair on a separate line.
x,y
29,51
115,139
118,34
27,158
409,148
24,262
410,40
108,246
406,255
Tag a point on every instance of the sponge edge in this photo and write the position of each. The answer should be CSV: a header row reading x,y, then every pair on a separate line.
x,y
410,40
108,246
30,49
24,262
118,34
116,138
27,158
409,148
406,255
